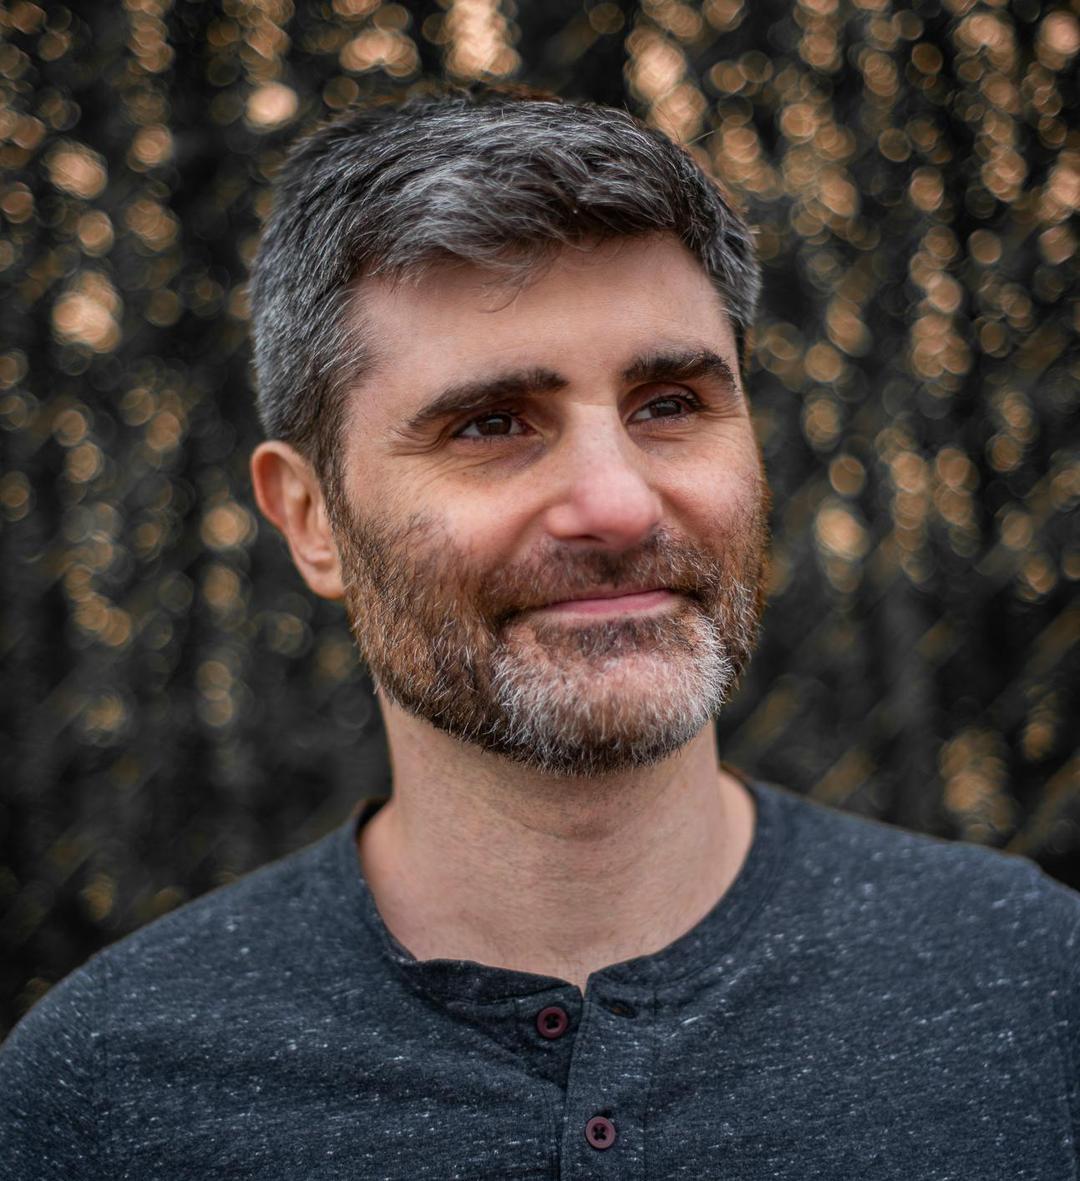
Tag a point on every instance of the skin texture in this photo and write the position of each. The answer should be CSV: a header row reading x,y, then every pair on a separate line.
x,y
499,519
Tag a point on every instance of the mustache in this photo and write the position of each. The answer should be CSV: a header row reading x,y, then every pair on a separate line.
x,y
662,560
396,564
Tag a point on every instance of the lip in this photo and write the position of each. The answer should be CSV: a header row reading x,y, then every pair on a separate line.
x,y
613,602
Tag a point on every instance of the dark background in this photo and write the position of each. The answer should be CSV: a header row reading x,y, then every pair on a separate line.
x,y
177,709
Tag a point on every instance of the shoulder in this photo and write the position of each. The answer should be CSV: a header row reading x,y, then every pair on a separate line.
x,y
49,1098
176,987
267,925
861,878
271,924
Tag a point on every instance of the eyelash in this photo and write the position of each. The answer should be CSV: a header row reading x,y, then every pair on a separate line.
x,y
691,399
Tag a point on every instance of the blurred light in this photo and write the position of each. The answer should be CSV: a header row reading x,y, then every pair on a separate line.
x,y
973,767
272,106
478,38
227,526
95,233
78,170
1058,39
383,49
88,313
152,146
606,19
847,475
838,532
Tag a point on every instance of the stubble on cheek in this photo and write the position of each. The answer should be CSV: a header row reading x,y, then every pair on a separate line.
x,y
411,607
460,646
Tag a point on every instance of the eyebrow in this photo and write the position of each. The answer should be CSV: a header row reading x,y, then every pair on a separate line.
x,y
680,365
485,391
691,364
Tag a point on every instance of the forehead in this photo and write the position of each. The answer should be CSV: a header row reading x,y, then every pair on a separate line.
x,y
586,312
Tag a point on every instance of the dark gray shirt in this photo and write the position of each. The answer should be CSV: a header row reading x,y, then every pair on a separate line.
x,y
862,1003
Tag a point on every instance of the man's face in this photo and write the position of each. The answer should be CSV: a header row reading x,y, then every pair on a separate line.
x,y
552,518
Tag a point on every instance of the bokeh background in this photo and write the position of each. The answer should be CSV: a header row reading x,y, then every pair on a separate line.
x,y
177,709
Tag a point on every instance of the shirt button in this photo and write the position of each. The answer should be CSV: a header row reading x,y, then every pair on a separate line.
x,y
600,1132
552,1022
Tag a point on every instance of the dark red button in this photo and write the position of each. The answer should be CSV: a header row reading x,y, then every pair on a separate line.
x,y
552,1022
600,1132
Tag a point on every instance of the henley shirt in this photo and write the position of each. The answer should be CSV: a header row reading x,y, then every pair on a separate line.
x,y
862,1002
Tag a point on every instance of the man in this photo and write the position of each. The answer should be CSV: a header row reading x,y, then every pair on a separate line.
x,y
498,342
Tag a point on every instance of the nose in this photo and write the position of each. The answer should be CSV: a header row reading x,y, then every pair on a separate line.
x,y
602,492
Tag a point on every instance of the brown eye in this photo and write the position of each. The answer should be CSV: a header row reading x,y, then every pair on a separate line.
x,y
490,426
663,408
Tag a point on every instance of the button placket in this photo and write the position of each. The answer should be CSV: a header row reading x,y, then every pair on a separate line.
x,y
607,1087
546,1051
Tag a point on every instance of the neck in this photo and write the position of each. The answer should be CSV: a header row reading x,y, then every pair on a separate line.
x,y
479,859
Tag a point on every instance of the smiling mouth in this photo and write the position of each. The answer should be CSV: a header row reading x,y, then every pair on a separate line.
x,y
602,602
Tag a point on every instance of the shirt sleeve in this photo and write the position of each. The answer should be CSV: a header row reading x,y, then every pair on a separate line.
x,y
52,1125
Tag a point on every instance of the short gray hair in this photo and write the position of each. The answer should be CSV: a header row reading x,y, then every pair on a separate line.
x,y
493,176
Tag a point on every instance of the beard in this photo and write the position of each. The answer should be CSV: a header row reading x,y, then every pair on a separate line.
x,y
454,643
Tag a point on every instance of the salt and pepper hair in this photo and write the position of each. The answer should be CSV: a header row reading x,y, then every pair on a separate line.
x,y
492,176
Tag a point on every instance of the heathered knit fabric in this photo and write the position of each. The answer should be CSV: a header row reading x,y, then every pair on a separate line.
x,y
862,1003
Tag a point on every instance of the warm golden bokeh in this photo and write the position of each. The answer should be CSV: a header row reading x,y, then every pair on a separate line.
x,y
179,709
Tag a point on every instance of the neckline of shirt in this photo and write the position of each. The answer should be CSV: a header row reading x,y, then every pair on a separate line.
x,y
466,981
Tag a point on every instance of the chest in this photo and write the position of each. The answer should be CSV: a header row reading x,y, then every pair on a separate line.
x,y
875,1087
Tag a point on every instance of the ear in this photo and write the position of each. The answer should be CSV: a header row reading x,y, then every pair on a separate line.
x,y
290,496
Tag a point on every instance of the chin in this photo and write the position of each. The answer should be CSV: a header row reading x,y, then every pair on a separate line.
x,y
606,715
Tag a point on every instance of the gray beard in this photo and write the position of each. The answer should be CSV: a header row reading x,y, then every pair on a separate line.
x,y
558,722
580,698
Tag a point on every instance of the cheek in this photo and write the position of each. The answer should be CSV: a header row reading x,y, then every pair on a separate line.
x,y
483,531
723,487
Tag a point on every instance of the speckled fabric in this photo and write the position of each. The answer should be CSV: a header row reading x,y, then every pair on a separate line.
x,y
862,1003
